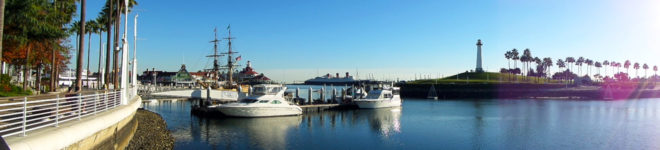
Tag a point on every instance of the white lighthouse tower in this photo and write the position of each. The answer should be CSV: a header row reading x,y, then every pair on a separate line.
x,y
479,68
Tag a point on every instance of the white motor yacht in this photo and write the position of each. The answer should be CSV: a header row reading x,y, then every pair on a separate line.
x,y
267,100
382,97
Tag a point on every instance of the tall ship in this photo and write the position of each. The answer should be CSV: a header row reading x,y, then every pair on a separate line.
x,y
222,84
328,79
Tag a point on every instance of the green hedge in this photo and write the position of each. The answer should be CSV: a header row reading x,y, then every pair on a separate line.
x,y
8,90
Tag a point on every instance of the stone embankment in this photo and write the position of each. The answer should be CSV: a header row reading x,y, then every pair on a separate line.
x,y
151,132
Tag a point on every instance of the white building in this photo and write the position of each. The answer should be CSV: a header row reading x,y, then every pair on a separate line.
x,y
68,77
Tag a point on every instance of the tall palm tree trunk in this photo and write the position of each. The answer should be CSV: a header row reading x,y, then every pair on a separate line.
x,y
81,45
115,77
89,48
2,26
108,51
99,75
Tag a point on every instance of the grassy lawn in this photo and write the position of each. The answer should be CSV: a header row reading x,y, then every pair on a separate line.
x,y
487,78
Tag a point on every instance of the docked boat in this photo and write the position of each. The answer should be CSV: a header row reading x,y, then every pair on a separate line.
x,y
387,96
433,94
336,80
267,100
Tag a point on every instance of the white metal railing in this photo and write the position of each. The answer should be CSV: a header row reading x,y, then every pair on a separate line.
x,y
19,117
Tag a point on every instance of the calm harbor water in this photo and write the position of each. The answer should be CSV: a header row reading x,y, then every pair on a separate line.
x,y
430,124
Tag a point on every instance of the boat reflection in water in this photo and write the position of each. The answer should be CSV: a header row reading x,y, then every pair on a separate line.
x,y
255,133
385,121
290,132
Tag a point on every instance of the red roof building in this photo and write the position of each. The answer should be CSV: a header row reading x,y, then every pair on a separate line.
x,y
249,74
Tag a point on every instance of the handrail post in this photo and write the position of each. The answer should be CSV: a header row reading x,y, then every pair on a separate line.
x,y
57,110
96,98
105,97
79,105
24,114
117,98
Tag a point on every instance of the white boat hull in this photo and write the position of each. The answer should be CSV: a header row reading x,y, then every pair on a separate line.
x,y
260,111
375,103
219,95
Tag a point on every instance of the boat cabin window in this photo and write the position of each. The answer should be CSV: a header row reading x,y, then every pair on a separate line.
x,y
276,102
274,90
259,90
375,94
249,101
263,101
388,95
266,90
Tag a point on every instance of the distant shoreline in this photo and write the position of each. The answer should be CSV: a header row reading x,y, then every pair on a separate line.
x,y
526,91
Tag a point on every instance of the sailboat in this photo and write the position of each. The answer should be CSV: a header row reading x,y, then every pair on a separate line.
x,y
225,88
432,93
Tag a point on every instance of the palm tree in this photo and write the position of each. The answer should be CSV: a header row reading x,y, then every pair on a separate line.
x,y
120,5
115,68
528,59
570,60
589,63
598,65
645,67
655,69
547,62
507,55
100,28
523,61
107,14
110,17
90,26
626,65
636,67
515,57
2,24
579,63
560,64
615,65
605,64
539,63
81,46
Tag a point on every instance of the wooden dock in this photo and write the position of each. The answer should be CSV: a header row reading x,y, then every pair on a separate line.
x,y
203,111
323,107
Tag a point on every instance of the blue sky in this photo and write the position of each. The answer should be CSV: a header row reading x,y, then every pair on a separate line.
x,y
388,39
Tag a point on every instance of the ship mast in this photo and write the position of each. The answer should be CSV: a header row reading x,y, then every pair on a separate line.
x,y
230,62
215,55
